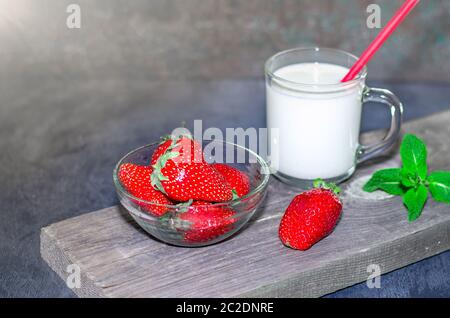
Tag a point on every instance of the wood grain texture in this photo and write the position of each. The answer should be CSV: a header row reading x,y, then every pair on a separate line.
x,y
118,259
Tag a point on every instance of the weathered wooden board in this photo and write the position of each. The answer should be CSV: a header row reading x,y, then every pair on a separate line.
x,y
117,259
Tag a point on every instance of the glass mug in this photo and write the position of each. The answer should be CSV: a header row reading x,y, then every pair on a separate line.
x,y
313,119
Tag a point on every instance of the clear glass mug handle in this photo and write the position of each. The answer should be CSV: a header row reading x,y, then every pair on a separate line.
x,y
387,98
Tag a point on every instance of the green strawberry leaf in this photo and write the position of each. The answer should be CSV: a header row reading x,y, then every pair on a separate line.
x,y
439,185
165,138
173,145
162,177
156,181
413,153
319,183
414,199
388,180
186,203
184,206
157,176
165,157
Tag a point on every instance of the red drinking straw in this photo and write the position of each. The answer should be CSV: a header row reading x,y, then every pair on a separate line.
x,y
380,39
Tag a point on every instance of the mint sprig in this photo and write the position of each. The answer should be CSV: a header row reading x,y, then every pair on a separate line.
x,y
414,200
413,153
388,180
412,180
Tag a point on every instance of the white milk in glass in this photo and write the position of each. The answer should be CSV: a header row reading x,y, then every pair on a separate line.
x,y
318,128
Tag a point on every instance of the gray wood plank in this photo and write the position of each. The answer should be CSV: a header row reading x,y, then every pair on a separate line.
x,y
118,259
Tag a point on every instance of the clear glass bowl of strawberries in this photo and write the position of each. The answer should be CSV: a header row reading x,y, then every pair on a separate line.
x,y
188,193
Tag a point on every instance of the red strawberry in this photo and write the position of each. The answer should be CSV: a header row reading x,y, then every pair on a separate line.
x,y
186,143
310,217
237,179
160,150
182,174
136,180
206,221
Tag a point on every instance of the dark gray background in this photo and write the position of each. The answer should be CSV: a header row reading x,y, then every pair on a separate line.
x,y
73,101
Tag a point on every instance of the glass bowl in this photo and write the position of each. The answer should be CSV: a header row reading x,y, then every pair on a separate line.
x,y
174,227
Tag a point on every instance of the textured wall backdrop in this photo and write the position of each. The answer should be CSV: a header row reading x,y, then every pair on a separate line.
x,y
176,39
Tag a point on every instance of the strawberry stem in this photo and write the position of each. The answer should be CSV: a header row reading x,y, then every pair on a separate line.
x,y
165,138
319,183
235,195
157,176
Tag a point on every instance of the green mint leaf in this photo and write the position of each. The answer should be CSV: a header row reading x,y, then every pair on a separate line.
x,y
409,180
388,180
439,185
415,200
413,153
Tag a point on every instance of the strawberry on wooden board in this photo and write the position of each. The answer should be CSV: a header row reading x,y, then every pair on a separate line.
x,y
238,180
136,180
311,216
182,174
206,221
